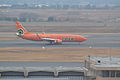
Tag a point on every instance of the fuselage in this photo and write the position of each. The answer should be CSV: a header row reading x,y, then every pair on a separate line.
x,y
64,38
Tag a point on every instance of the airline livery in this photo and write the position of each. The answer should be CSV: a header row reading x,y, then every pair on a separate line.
x,y
52,38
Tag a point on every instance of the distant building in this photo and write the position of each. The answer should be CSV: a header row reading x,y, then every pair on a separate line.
x,y
5,5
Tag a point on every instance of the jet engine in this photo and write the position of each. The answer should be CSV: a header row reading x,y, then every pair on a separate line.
x,y
58,41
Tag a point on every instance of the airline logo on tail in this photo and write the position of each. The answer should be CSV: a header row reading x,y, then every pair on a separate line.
x,y
21,32
20,28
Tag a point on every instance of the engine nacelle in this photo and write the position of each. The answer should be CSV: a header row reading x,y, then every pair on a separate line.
x,y
58,41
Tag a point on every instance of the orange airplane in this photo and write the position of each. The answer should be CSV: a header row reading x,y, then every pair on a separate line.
x,y
52,38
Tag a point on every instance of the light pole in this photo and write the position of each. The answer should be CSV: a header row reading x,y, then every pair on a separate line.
x,y
110,54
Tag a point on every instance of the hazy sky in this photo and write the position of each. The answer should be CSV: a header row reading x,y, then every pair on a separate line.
x,y
60,1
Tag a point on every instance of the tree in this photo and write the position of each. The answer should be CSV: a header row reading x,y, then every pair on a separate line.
x,y
28,17
50,19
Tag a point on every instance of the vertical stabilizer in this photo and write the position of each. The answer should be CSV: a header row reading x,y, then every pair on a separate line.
x,y
21,30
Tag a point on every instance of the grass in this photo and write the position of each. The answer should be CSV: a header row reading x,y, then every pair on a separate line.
x,y
84,21
54,54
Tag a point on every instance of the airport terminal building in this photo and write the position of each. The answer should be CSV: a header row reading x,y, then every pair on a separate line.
x,y
103,68
93,68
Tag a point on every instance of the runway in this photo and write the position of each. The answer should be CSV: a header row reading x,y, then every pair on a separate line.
x,y
99,40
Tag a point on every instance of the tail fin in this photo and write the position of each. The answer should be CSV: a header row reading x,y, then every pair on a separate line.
x,y
20,28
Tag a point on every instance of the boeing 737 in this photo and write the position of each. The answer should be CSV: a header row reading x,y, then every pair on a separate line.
x,y
52,38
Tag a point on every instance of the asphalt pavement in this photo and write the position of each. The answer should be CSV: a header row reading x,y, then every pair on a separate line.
x,y
95,40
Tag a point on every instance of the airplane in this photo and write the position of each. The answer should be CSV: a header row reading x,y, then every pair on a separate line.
x,y
51,38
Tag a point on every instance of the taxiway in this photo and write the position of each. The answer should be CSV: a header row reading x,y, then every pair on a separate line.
x,y
99,40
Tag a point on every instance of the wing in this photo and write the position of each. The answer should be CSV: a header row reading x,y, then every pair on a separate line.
x,y
58,41
49,39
